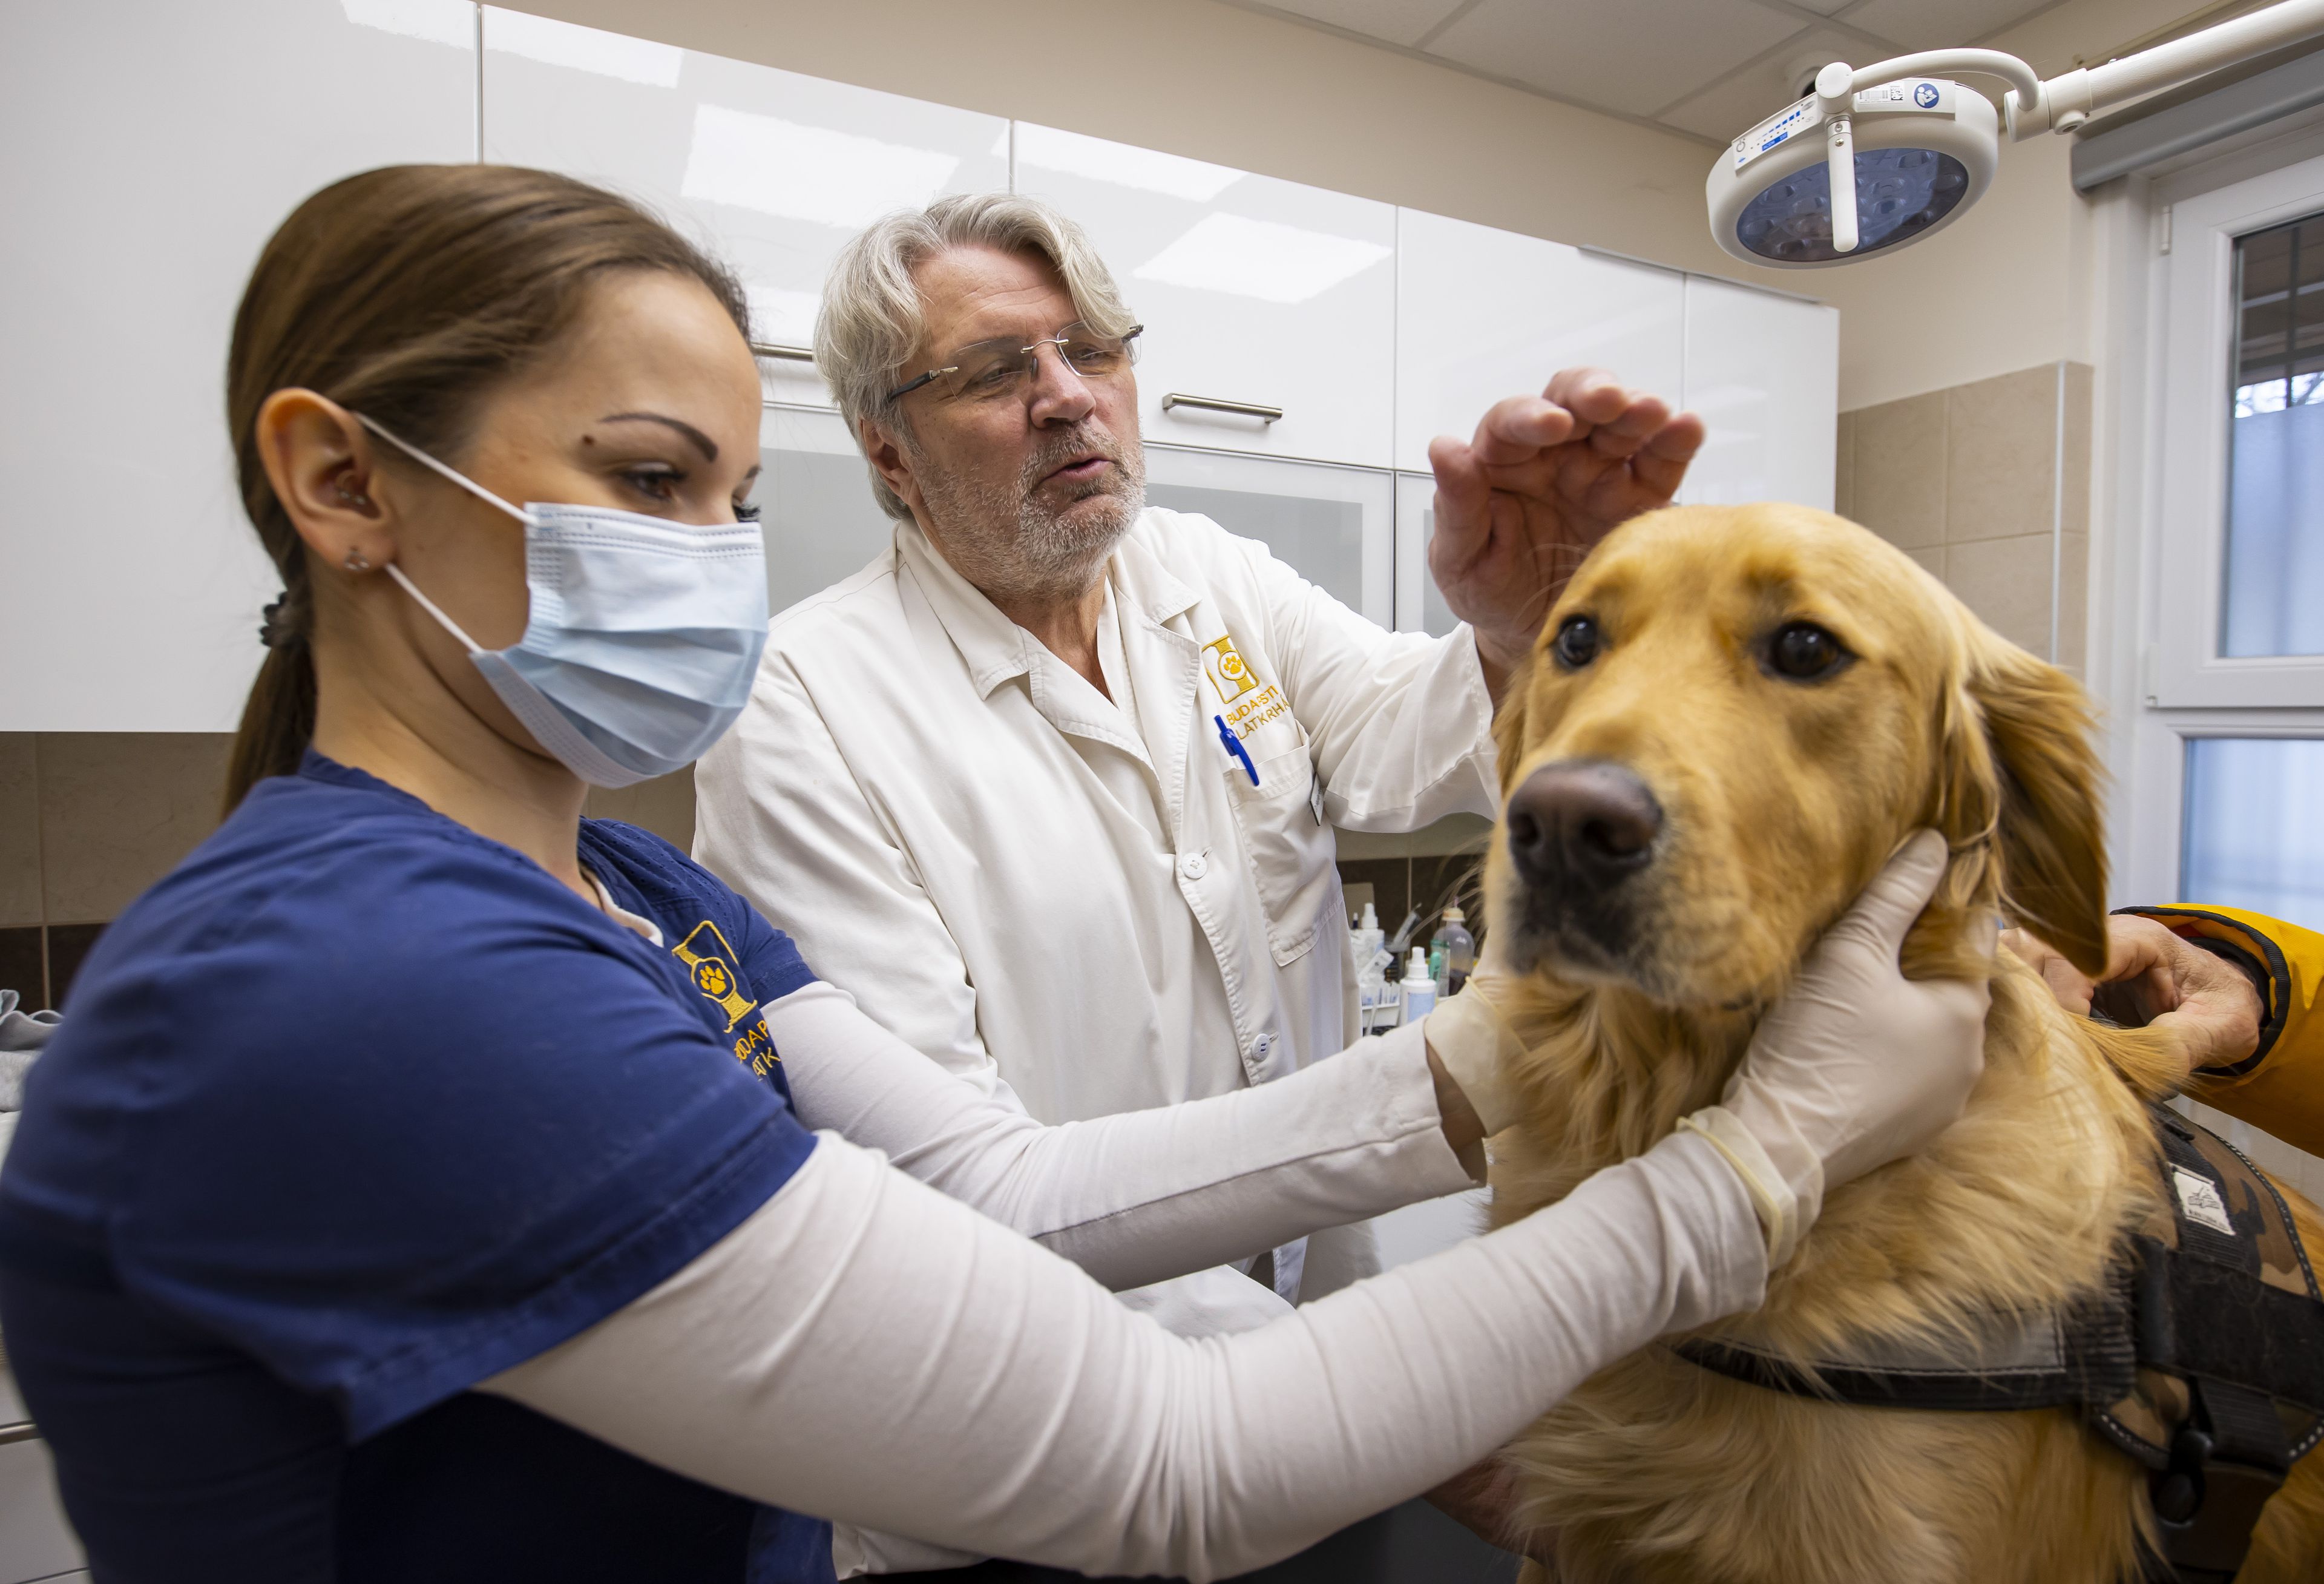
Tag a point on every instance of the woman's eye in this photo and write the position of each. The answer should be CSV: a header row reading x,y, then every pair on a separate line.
x,y
658,484
1804,652
1576,644
746,511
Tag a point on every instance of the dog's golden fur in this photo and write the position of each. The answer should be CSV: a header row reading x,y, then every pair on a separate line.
x,y
1781,799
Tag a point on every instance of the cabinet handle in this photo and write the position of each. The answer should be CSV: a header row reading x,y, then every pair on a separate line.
x,y
11,1434
788,354
1213,404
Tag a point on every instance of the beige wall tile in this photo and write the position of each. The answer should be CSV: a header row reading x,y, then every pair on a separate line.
x,y
1899,483
2074,600
664,805
20,831
1931,557
2076,517
2001,448
1843,481
2006,582
118,809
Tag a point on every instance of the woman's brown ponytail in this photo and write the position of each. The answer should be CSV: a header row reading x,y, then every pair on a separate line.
x,y
404,294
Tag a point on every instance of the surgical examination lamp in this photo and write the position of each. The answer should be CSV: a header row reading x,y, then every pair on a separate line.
x,y
1879,157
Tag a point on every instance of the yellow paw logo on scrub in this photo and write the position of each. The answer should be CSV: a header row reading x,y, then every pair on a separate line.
x,y
1229,677
710,963
1249,703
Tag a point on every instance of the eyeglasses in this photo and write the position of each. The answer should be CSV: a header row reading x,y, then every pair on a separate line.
x,y
988,370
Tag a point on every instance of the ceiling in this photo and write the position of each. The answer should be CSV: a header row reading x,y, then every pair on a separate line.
x,y
1706,69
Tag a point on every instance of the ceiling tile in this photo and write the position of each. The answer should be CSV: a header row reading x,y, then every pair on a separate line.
x,y
1937,24
1635,58
1739,100
1398,21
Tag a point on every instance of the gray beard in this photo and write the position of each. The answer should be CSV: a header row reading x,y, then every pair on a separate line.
x,y
1014,548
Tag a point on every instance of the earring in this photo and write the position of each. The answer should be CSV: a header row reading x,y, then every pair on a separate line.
x,y
352,497
356,561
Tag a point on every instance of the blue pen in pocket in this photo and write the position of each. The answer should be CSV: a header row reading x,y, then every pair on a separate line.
x,y
1234,747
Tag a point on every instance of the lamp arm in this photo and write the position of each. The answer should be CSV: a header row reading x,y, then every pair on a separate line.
x,y
2064,102
2068,101
1946,62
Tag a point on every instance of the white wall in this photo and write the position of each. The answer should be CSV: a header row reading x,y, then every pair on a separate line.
x,y
2003,290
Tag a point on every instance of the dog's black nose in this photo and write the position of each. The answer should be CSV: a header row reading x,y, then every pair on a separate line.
x,y
1582,824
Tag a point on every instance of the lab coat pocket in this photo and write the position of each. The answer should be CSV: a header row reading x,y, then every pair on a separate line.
x,y
1292,853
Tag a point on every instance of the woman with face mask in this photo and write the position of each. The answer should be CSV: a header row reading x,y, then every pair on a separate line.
x,y
422,1187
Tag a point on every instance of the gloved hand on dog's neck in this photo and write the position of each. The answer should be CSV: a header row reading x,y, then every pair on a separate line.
x,y
1855,1066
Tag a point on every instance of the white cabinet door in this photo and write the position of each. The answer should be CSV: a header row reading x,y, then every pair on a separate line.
x,y
1253,291
153,149
1763,371
1483,314
774,170
1335,525
815,509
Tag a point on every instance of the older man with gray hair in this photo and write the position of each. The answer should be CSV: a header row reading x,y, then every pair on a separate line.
x,y
1051,786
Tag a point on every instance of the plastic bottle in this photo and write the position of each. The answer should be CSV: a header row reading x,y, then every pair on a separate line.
x,y
1371,980
1452,953
1419,989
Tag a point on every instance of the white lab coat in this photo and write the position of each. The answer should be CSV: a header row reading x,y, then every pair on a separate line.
x,y
911,795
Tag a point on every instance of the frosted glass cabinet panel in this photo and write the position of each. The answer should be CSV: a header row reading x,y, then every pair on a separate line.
x,y
1420,606
1483,314
815,509
1253,291
153,149
775,171
1763,372
1335,525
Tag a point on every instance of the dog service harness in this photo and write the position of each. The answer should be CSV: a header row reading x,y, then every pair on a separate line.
x,y
2204,1361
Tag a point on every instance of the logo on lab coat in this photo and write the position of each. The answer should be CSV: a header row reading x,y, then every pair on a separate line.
x,y
710,963
1227,670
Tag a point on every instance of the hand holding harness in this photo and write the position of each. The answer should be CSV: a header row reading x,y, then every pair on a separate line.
x,y
2202,1359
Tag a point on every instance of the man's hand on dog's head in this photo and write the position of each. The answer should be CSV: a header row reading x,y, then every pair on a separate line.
x,y
1543,479
2155,978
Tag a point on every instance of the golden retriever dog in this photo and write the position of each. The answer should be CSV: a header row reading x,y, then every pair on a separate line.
x,y
1732,717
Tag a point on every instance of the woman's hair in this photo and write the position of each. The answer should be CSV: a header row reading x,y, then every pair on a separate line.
x,y
406,294
871,320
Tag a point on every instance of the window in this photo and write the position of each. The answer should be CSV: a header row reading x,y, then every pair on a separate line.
x,y
2253,831
2225,800
2274,577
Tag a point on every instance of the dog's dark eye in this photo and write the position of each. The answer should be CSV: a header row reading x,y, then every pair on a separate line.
x,y
1804,652
1576,644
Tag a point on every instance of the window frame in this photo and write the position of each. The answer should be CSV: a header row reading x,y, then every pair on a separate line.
x,y
2191,441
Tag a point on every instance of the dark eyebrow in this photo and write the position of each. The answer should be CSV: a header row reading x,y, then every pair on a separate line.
x,y
702,442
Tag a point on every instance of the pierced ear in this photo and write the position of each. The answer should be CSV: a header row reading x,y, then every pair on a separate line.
x,y
2052,845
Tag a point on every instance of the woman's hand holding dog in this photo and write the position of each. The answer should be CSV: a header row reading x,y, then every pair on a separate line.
x,y
2157,979
1858,1066
1545,478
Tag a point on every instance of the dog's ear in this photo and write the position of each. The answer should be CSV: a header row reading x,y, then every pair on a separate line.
x,y
1509,725
2037,792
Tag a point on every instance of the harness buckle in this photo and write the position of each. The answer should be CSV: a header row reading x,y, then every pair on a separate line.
x,y
2207,1501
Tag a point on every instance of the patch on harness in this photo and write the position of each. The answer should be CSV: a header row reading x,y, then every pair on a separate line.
x,y
2199,1202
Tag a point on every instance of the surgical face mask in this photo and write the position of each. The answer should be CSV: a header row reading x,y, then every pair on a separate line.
x,y
643,637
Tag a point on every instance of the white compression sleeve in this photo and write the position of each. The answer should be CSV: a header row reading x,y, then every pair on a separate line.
x,y
866,1349
1145,1196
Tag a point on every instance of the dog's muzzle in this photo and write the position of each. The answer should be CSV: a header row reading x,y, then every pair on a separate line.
x,y
1580,831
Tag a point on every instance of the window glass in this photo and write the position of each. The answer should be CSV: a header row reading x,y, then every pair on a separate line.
x,y
2275,585
2253,832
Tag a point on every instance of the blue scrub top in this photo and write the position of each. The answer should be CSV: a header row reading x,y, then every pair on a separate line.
x,y
353,1111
